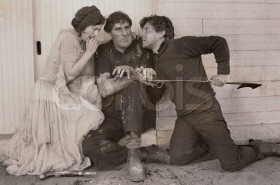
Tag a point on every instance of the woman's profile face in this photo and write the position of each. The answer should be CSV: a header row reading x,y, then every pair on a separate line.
x,y
90,32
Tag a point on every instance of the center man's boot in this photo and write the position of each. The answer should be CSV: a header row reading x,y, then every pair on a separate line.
x,y
135,168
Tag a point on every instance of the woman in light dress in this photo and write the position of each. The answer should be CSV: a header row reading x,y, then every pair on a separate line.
x,y
64,105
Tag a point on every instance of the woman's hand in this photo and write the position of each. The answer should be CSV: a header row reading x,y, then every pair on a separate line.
x,y
91,45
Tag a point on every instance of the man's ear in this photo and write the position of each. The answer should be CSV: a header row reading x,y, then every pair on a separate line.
x,y
162,33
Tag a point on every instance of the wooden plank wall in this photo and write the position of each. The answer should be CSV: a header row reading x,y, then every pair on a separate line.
x,y
136,9
23,23
20,31
251,28
52,15
16,61
49,17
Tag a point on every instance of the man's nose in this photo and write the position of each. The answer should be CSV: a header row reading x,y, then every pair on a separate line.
x,y
124,32
141,33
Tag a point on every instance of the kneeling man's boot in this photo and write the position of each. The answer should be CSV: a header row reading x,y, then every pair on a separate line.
x,y
135,168
268,149
154,154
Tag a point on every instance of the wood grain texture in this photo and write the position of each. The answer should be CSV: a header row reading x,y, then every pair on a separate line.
x,y
251,28
16,61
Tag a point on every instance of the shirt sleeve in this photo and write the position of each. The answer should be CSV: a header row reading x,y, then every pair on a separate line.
x,y
69,50
196,46
102,62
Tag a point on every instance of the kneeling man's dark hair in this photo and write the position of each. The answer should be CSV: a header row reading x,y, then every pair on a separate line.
x,y
159,23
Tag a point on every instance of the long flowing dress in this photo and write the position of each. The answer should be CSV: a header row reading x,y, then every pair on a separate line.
x,y
58,116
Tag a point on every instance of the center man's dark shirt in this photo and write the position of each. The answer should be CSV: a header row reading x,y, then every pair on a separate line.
x,y
107,58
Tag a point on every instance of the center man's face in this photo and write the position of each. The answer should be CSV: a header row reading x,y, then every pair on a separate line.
x,y
121,35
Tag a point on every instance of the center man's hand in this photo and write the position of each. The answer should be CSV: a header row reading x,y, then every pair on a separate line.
x,y
119,71
130,141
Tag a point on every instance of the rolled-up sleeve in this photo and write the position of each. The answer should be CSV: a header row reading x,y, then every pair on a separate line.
x,y
102,62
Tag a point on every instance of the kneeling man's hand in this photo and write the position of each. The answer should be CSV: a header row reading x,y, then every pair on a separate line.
x,y
144,75
148,73
130,141
219,80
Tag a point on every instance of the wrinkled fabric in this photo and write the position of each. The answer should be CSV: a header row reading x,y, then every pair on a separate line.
x,y
56,121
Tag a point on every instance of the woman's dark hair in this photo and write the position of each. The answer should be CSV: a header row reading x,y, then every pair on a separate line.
x,y
159,23
89,15
116,17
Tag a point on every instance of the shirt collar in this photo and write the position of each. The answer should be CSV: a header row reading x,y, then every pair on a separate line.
x,y
162,47
134,41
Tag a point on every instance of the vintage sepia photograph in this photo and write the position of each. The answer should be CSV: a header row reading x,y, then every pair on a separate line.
x,y
146,92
